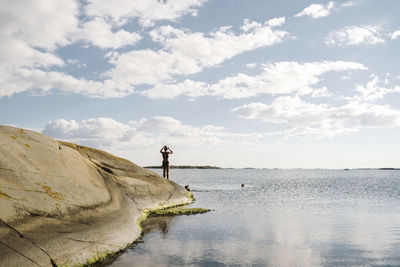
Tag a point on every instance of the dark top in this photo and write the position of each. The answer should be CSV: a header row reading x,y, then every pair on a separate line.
x,y
165,156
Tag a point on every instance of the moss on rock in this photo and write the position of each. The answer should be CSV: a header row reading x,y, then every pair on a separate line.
x,y
98,258
177,211
190,196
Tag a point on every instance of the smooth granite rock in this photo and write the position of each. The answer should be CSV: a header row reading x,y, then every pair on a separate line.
x,y
63,204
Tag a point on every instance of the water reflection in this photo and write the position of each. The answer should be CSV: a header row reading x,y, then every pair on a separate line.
x,y
157,223
299,218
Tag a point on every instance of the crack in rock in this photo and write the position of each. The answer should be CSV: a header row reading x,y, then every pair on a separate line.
x,y
28,239
16,251
170,195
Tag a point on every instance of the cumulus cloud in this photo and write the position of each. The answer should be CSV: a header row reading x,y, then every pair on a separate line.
x,y
146,11
99,32
91,129
395,35
141,140
356,35
76,62
221,44
187,52
322,92
39,24
350,3
316,10
31,31
16,53
281,78
320,120
276,78
22,79
106,132
275,22
373,90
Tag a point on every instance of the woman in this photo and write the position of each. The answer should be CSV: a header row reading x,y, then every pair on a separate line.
x,y
165,151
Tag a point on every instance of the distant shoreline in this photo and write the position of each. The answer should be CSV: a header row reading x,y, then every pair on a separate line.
x,y
220,168
376,169
185,167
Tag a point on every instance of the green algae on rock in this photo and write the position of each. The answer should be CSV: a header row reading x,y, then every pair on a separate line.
x,y
177,211
190,196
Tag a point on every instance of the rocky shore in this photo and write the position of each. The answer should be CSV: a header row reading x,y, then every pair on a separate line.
x,y
63,204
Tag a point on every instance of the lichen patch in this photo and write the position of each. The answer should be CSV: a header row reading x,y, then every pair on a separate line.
x,y
54,195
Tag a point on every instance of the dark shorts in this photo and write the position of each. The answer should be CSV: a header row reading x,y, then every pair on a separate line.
x,y
165,164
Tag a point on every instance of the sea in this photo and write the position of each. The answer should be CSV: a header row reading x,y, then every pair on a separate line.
x,y
279,218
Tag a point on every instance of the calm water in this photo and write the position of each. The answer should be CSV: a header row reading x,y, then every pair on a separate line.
x,y
281,218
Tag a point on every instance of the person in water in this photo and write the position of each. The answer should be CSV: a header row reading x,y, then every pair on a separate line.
x,y
165,151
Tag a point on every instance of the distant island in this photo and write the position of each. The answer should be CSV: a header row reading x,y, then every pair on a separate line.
x,y
184,167
380,169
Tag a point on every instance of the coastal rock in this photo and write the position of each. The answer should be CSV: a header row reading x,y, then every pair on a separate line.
x,y
64,204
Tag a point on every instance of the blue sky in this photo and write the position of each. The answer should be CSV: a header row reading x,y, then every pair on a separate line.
x,y
244,83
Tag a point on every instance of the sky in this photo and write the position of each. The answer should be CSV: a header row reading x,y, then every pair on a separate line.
x,y
229,83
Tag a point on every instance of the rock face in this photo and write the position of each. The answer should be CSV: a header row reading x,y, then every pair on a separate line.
x,y
62,204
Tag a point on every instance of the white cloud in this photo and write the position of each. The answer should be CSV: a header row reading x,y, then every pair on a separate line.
x,y
76,62
188,87
321,92
141,140
276,78
187,52
356,35
346,76
149,66
316,10
39,23
320,120
31,31
350,3
251,65
155,131
275,22
22,79
221,44
395,35
373,90
17,53
99,33
31,34
281,78
146,11
96,129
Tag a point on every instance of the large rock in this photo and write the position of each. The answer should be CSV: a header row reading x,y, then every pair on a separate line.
x,y
62,204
